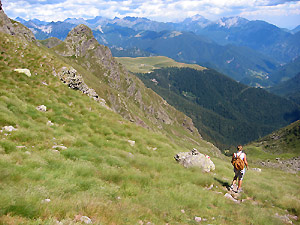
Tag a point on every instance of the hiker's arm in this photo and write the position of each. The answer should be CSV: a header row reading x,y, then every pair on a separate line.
x,y
246,163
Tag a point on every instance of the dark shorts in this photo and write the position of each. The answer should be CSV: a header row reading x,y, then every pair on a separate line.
x,y
239,174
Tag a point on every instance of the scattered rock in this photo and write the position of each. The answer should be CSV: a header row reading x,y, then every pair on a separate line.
x,y
198,219
290,165
182,211
86,220
151,148
210,187
130,155
46,200
20,146
56,151
75,81
28,153
229,196
49,123
195,159
284,218
256,169
61,147
41,108
132,143
25,71
44,83
8,128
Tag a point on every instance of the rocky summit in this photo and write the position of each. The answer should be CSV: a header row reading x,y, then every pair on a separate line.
x,y
123,92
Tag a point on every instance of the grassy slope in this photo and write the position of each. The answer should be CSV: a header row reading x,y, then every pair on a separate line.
x,y
100,175
127,94
148,64
283,143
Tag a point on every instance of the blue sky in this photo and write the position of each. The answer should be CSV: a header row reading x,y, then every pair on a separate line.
x,y
283,13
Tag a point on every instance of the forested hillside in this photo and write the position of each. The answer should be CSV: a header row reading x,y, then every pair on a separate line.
x,y
224,111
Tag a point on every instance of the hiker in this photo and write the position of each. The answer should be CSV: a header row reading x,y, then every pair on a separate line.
x,y
239,161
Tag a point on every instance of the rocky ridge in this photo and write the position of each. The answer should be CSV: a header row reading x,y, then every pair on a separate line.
x,y
14,28
125,94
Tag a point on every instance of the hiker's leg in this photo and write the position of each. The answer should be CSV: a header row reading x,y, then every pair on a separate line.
x,y
240,184
234,180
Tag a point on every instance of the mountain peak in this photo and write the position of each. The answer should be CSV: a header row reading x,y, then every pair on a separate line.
x,y
80,31
229,22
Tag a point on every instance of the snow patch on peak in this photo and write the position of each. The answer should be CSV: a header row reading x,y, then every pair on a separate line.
x,y
231,21
100,29
175,34
46,29
197,17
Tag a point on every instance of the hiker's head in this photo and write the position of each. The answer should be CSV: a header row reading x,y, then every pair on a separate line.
x,y
239,148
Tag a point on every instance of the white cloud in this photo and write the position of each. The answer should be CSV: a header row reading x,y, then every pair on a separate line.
x,y
161,10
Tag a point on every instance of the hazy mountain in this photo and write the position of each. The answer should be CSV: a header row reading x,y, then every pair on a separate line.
x,y
289,89
240,63
286,71
296,29
224,48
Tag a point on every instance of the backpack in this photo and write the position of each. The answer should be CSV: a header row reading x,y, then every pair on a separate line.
x,y
238,163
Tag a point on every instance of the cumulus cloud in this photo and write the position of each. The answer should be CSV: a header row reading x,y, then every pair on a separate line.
x,y
161,10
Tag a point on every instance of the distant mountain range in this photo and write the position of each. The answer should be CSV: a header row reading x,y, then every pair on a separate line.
x,y
247,51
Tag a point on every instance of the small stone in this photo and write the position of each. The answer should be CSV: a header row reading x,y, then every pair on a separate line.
x,y
86,220
59,147
44,83
132,143
49,123
210,187
8,128
41,108
21,146
198,219
46,200
182,211
230,197
25,71
56,151
256,169
28,153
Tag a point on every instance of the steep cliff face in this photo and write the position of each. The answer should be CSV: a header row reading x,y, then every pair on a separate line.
x,y
14,28
123,92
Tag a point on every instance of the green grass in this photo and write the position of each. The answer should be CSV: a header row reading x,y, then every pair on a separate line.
x,y
100,175
149,64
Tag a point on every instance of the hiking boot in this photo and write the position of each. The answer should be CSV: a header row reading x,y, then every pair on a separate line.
x,y
231,187
238,191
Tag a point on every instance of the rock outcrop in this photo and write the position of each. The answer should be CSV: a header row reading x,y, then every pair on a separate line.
x,y
75,81
14,28
195,159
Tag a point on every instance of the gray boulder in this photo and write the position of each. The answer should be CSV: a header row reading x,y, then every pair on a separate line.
x,y
195,159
